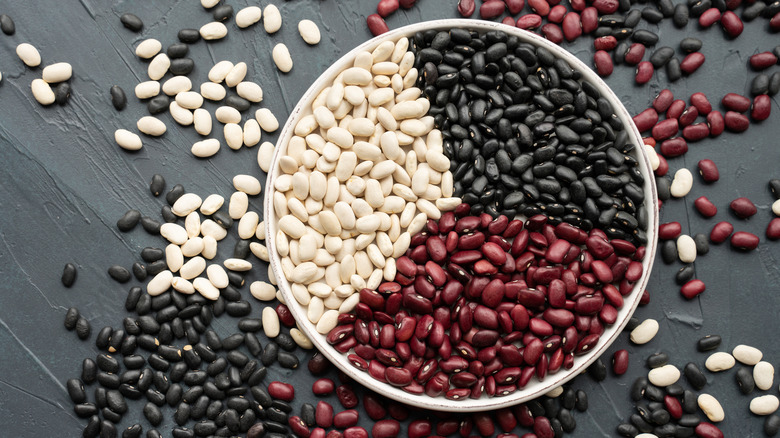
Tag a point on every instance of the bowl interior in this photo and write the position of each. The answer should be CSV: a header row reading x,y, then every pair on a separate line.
x,y
534,388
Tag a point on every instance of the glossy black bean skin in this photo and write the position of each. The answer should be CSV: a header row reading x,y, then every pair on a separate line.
x,y
657,360
189,36
287,360
669,252
238,103
772,425
627,430
182,66
709,342
118,97
745,380
107,429
174,194
158,104
131,22
83,328
62,93
71,318
685,274
690,45
177,50
7,24
661,56
119,273
695,377
133,431
597,370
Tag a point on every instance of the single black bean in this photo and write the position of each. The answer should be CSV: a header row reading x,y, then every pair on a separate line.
x,y
177,50
118,97
759,85
139,271
69,275
133,431
286,342
131,21
158,104
83,328
689,402
270,354
222,13
205,352
241,249
152,414
597,370
695,377
681,16
156,186
107,363
287,360
183,432
673,69
627,430
169,353
661,56
223,219
745,380
153,433
7,24
238,102
116,402
174,194
235,279
774,84
772,425
107,429
753,11
253,344
690,45
71,318
657,360
62,93
182,66
189,36
669,252
238,308
109,380
119,273
76,391
250,325
645,37
702,243
709,342
652,15
774,187
685,274
100,397
640,423
674,390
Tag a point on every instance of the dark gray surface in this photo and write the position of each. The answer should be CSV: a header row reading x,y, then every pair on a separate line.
x,y
65,183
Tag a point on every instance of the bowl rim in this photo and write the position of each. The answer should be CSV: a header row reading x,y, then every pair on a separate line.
x,y
534,388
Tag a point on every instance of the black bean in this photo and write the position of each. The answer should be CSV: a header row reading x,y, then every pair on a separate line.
x,y
638,389
702,243
107,363
155,397
116,402
235,279
759,85
205,352
76,391
158,104
238,308
118,97
233,341
745,380
100,397
627,430
669,252
597,370
62,93
156,186
772,425
640,423
109,380
661,56
253,344
674,390
119,273
157,362
153,433
222,13
107,429
709,342
286,342
685,274
695,377
169,353
131,21
83,328
182,432
133,431
657,360
7,24
182,66
287,360
139,271
774,84
174,194
774,188
177,50
270,354
223,219
673,69
645,37
690,45
71,318
256,431
681,16
189,36
753,11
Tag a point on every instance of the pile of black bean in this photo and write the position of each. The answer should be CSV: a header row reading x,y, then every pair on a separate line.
x,y
526,135
167,355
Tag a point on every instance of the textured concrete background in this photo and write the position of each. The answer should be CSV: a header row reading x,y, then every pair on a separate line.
x,y
65,183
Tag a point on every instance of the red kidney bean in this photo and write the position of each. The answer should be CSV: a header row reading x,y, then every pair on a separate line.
x,y
540,7
298,427
762,107
743,207
669,230
665,129
675,109
376,24
707,430
700,101
763,60
491,9
553,32
774,23
709,17
731,24
605,43
736,122
708,170
692,62
606,6
696,132
620,362
663,100
773,229
556,14
603,63
466,8
735,102
529,21
590,19
744,241
716,123
572,26
721,231
386,429
673,406
692,288
646,119
542,427
355,432
674,147
323,387
420,429
386,7
346,419
515,6
644,72
705,207
688,116
346,396
509,21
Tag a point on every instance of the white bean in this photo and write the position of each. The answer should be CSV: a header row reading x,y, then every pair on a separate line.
x,y
247,184
29,55
251,133
189,99
719,361
182,116
267,120
234,136
686,248
711,408
151,125
282,58
176,85
664,376
147,89
309,31
227,114
205,148
159,283
205,288
273,19
174,233
682,183
202,121
174,257
42,92
248,16
213,91
764,375
148,48
219,71
159,67
213,31
186,204
250,91
644,332
127,140
59,72
764,405
747,355
236,74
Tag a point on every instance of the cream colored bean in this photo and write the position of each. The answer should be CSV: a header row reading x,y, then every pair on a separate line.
x,y
193,268
719,361
273,19
260,251
250,91
159,283
238,265
62,71
209,247
213,31
309,31
282,58
644,332
148,48
189,100
186,204
262,291
219,71
682,183
264,156
192,247
248,224
183,286
234,136
174,258
271,325
236,74
202,121
301,339
213,91
247,184
248,16
42,92
227,114
664,376
183,117
176,85
711,408
267,120
327,322
764,405
211,204
686,248
192,224
217,276
764,375
205,288
205,148
747,355
125,139
29,55
174,233
151,125
251,133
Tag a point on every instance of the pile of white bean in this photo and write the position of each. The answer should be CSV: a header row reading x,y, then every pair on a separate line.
x,y
51,74
363,172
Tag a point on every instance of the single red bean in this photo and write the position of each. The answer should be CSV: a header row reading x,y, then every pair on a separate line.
x,y
578,5
705,207
669,230
673,406
540,7
635,54
733,4
606,6
282,391
491,9
716,123
322,387
386,7
543,428
763,60
420,429
721,231
466,8
709,17
590,19
744,241
298,427
731,24
605,43
736,122
645,120
603,63
736,102
692,289
346,396
762,107
696,132
665,129
556,14
743,207
692,62
386,429
376,24
553,32
356,361
620,362
355,432
707,430
572,26
688,116
319,432
398,376
773,229
515,6
663,100
700,101
529,21
644,72
708,170
674,147
774,23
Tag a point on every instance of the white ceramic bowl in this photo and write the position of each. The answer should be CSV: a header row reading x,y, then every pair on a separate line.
x,y
534,388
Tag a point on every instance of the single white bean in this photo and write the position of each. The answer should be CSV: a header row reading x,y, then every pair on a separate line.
x,y
686,248
250,91
267,120
719,361
282,58
747,355
682,183
309,31
127,140
159,283
247,184
147,89
236,74
271,325
159,67
248,16
151,125
42,92
205,148
764,405
213,31
29,55
711,408
644,332
764,375
148,48
273,19
59,72
213,91
201,120
664,376
219,71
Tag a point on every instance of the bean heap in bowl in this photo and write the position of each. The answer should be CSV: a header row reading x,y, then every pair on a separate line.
x,y
460,212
